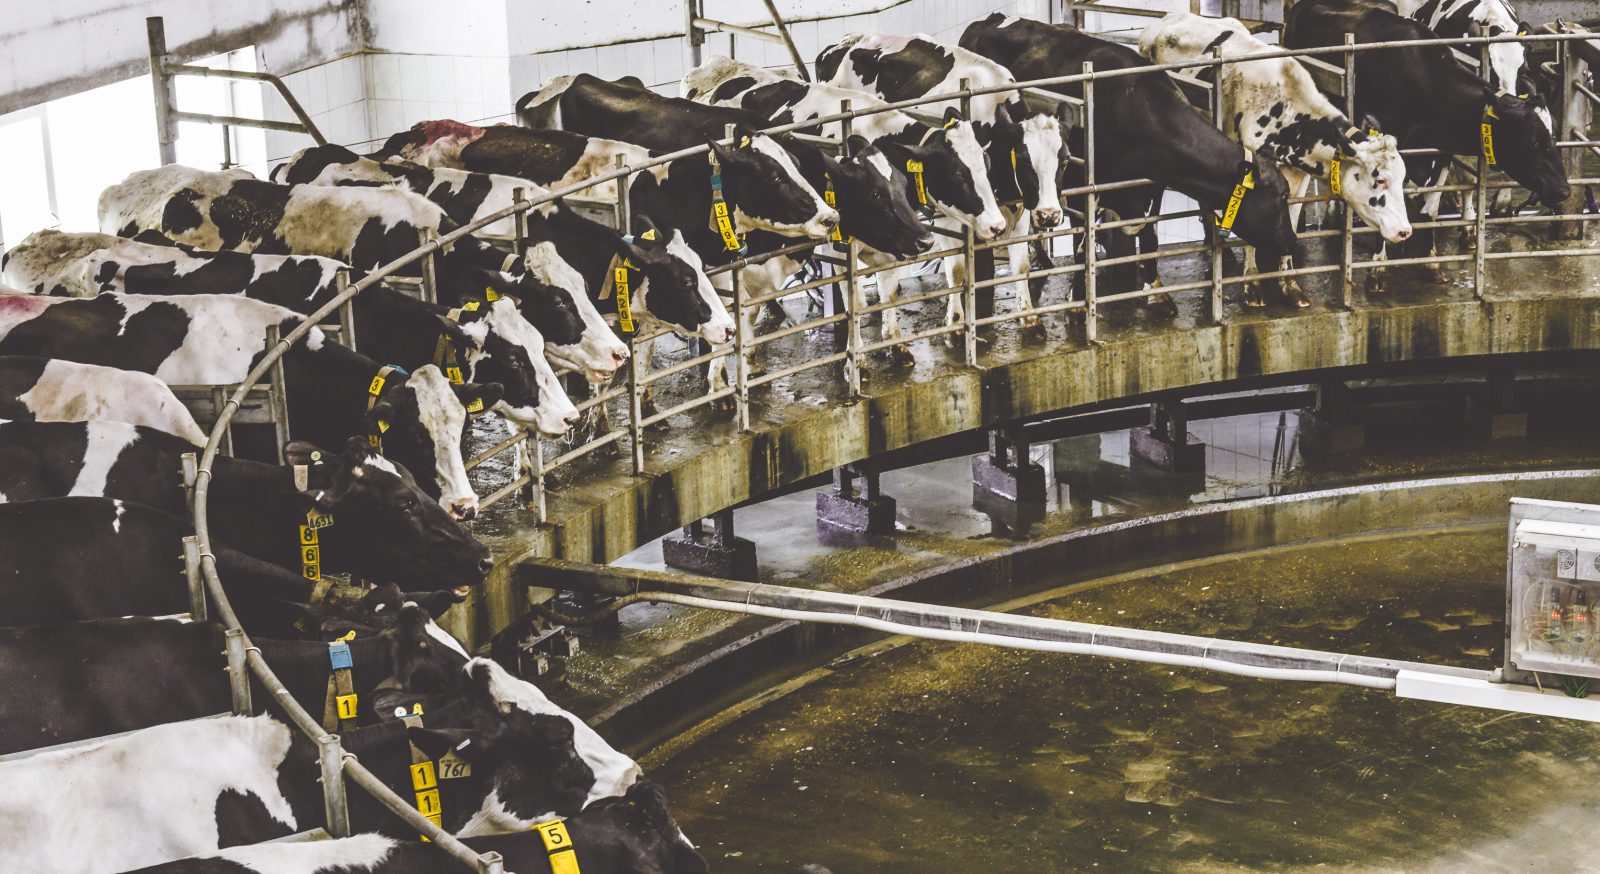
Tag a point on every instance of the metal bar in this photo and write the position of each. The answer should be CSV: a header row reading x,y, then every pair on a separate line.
x,y
305,124
714,25
788,41
238,670
824,361
853,298
430,271
335,807
165,96
278,400
969,271
635,386
191,574
698,401
1481,198
347,311
905,340
1347,252
779,334
1091,210
1217,231
519,224
741,359
290,127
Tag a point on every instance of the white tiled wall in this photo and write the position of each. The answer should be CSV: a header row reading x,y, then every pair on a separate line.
x,y
333,94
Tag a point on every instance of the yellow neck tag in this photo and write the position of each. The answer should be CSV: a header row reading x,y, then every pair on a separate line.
x,y
375,388
1486,129
914,167
1334,183
1236,199
346,706
310,553
563,857
624,303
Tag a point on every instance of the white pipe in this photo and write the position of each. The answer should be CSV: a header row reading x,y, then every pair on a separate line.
x,y
1091,649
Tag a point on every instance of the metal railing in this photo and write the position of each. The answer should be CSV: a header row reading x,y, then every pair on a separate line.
x,y
245,660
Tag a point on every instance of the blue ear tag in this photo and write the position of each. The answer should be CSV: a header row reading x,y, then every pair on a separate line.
x,y
339,656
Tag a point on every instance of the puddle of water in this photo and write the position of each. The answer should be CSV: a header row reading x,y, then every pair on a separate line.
x,y
935,757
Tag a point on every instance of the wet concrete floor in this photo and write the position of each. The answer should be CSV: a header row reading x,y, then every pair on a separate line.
x,y
932,757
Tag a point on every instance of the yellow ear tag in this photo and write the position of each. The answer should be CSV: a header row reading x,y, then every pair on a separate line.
x,y
476,406
453,767
471,306
648,235
346,705
383,426
744,142
348,636
914,167
490,295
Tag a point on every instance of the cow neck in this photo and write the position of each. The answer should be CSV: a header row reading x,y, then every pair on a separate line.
x,y
581,251
385,750
328,392
682,201
395,327
254,508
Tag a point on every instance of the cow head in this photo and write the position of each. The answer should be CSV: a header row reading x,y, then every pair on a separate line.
x,y
675,289
1525,150
336,165
639,829
555,299
1372,179
421,421
368,612
766,191
1038,152
505,348
387,528
1263,219
873,204
955,174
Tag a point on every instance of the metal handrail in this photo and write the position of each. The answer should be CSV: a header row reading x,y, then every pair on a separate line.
x,y
337,763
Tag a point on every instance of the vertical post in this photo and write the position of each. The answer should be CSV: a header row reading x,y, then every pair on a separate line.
x,y
277,397
191,573
852,337
166,129
347,310
833,302
238,671
335,808
1566,126
1216,227
430,272
1481,195
519,223
219,399
227,146
491,863
692,32
1091,205
1347,251
969,266
741,359
635,399
191,472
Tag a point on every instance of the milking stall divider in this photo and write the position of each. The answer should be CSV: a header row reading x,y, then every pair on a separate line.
x,y
897,617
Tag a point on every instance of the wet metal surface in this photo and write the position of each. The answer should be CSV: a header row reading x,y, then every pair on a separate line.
x,y
936,757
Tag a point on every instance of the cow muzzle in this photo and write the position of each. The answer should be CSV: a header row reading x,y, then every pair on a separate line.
x,y
823,224
1045,218
463,509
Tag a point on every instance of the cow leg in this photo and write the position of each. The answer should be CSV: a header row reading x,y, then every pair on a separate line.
x,y
1376,276
1299,181
1430,205
1019,257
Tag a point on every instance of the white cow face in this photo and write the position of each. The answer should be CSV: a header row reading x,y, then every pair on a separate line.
x,y
1372,178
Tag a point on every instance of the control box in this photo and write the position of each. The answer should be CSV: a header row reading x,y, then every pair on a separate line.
x,y
1553,590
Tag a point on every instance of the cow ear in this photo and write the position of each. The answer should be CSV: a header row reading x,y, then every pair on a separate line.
x,y
457,334
301,452
644,228
1002,117
479,396
649,803
437,603
435,743
952,116
858,144
1370,124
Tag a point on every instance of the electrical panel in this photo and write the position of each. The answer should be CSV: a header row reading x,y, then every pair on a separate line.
x,y
1554,579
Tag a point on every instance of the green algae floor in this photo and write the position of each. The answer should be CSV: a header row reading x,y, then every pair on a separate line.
x,y
932,757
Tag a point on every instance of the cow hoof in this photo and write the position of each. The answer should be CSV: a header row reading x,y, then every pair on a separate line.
x,y
1466,241
1293,293
1252,297
1434,275
1164,303
1376,283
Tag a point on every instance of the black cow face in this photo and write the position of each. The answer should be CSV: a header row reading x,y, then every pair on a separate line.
x,y
675,292
1525,150
873,202
399,533
637,833
370,612
761,180
527,764
955,175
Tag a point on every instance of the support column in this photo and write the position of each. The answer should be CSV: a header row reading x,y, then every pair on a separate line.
x,y
1328,425
867,511
712,549
1493,413
1006,484
1164,444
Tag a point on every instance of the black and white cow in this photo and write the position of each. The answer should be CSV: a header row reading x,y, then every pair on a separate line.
x,y
34,389
418,417
491,342
1026,147
134,672
955,175
1275,104
1508,65
364,227
633,834
252,779
1429,100
1144,128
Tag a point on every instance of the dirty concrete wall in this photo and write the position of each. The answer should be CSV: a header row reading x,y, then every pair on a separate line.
x,y
57,48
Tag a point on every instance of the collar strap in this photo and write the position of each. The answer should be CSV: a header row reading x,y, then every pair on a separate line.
x,y
832,199
339,709
424,776
1486,132
558,843
445,355
1236,199
374,391
623,279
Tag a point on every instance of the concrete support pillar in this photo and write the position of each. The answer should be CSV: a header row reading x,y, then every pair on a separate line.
x,y
712,549
1328,425
1006,485
1493,413
1164,444
863,511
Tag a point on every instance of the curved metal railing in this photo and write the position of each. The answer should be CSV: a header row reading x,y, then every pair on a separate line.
x,y
337,764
